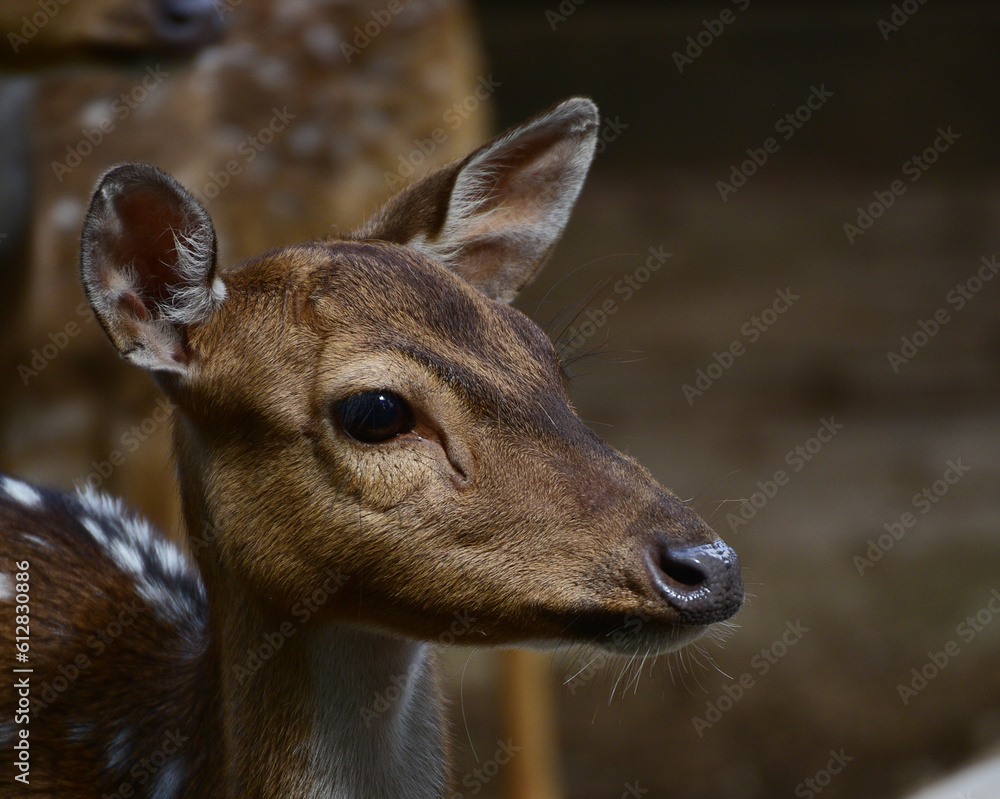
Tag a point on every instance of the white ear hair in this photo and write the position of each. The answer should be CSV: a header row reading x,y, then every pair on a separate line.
x,y
148,265
494,217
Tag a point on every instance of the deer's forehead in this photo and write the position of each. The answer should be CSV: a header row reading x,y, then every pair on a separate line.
x,y
355,300
392,297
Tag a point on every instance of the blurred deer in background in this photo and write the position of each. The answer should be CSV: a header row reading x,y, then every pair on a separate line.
x,y
297,119
364,425
48,35
42,33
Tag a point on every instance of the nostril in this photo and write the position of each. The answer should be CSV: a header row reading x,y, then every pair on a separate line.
x,y
702,583
683,575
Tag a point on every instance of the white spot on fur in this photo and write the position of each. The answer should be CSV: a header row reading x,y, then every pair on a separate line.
x,y
100,504
306,141
133,545
119,751
97,112
94,528
171,558
6,587
7,732
67,213
273,73
138,530
126,557
323,41
167,783
21,492
39,543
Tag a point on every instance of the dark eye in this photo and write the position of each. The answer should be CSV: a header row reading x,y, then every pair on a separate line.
x,y
374,416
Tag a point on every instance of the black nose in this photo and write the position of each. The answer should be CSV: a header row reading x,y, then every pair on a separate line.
x,y
187,23
702,583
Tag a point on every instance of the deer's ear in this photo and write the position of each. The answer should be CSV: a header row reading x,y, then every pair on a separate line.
x,y
148,265
494,216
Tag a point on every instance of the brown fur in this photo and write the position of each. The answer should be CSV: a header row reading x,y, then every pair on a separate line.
x,y
111,677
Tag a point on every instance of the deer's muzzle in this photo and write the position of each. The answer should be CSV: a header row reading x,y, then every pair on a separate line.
x,y
702,583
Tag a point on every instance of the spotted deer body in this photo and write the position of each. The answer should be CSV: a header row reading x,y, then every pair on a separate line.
x,y
369,441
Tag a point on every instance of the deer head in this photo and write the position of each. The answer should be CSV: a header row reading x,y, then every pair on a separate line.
x,y
372,405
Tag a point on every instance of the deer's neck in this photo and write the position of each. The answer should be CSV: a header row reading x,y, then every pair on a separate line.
x,y
324,710
377,716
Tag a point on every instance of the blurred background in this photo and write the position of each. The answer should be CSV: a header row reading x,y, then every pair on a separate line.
x,y
795,216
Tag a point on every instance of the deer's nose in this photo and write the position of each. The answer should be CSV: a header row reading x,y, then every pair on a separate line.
x,y
187,23
702,583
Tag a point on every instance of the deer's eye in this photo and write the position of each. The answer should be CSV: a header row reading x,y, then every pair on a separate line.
x,y
374,416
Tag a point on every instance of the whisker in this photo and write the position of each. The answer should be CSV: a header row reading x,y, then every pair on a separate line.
x,y
578,673
461,695
569,274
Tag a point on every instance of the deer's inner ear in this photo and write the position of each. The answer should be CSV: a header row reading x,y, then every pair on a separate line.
x,y
148,265
494,217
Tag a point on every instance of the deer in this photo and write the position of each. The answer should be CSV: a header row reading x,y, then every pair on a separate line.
x,y
369,440
57,32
